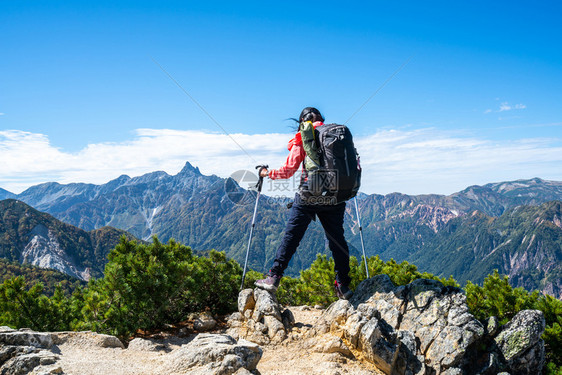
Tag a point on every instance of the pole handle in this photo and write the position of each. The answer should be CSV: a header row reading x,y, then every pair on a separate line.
x,y
260,178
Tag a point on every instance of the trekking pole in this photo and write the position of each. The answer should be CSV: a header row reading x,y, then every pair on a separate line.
x,y
361,235
258,186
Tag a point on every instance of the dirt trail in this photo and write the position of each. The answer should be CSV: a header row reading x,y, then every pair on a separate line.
x,y
293,356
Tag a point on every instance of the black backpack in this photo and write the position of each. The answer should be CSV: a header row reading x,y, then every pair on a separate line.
x,y
337,178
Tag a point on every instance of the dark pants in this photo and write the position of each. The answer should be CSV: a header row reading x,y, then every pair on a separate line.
x,y
331,218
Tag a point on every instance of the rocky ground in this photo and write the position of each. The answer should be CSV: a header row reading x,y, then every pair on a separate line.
x,y
87,353
422,328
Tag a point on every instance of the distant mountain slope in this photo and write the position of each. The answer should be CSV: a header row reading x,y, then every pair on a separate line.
x,y
30,236
524,243
5,194
196,210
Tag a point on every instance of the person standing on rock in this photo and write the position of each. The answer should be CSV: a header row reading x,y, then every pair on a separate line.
x,y
302,213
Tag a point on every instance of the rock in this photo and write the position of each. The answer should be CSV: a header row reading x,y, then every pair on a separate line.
x,y
25,363
204,322
333,317
246,300
242,371
331,344
48,370
9,351
423,326
87,339
288,319
520,343
108,341
492,326
367,288
143,345
377,344
215,354
265,323
26,338
440,319
266,304
273,326
521,333
452,371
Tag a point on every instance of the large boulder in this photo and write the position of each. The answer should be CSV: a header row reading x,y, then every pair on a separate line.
x,y
25,351
520,342
426,328
87,339
25,337
21,351
215,354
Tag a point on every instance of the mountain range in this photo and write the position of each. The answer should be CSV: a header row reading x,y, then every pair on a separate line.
x,y
37,238
510,226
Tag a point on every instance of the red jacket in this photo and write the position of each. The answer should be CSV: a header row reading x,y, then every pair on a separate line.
x,y
295,158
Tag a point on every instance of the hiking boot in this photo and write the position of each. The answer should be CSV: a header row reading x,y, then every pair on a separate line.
x,y
270,283
342,291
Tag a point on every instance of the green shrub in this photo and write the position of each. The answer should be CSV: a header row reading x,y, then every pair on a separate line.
x,y
21,306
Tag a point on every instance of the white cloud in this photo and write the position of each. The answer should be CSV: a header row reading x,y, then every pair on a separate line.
x,y
488,111
408,161
2,114
505,106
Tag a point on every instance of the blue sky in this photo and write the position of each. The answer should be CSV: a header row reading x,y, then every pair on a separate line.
x,y
82,101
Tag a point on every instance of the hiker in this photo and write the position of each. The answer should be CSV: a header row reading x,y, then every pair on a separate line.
x,y
304,209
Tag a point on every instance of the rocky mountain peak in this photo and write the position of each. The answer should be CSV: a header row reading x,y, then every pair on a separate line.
x,y
190,170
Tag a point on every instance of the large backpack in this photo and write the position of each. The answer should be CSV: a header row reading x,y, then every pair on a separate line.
x,y
331,164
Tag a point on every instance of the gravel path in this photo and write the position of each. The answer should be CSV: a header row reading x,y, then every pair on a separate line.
x,y
81,356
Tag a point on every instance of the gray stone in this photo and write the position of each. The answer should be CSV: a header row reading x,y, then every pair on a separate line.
x,y
87,338
266,304
27,338
366,289
215,354
243,371
108,341
377,344
143,345
353,326
412,329
521,333
452,371
235,320
529,361
9,351
25,363
204,322
246,300
492,326
273,326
